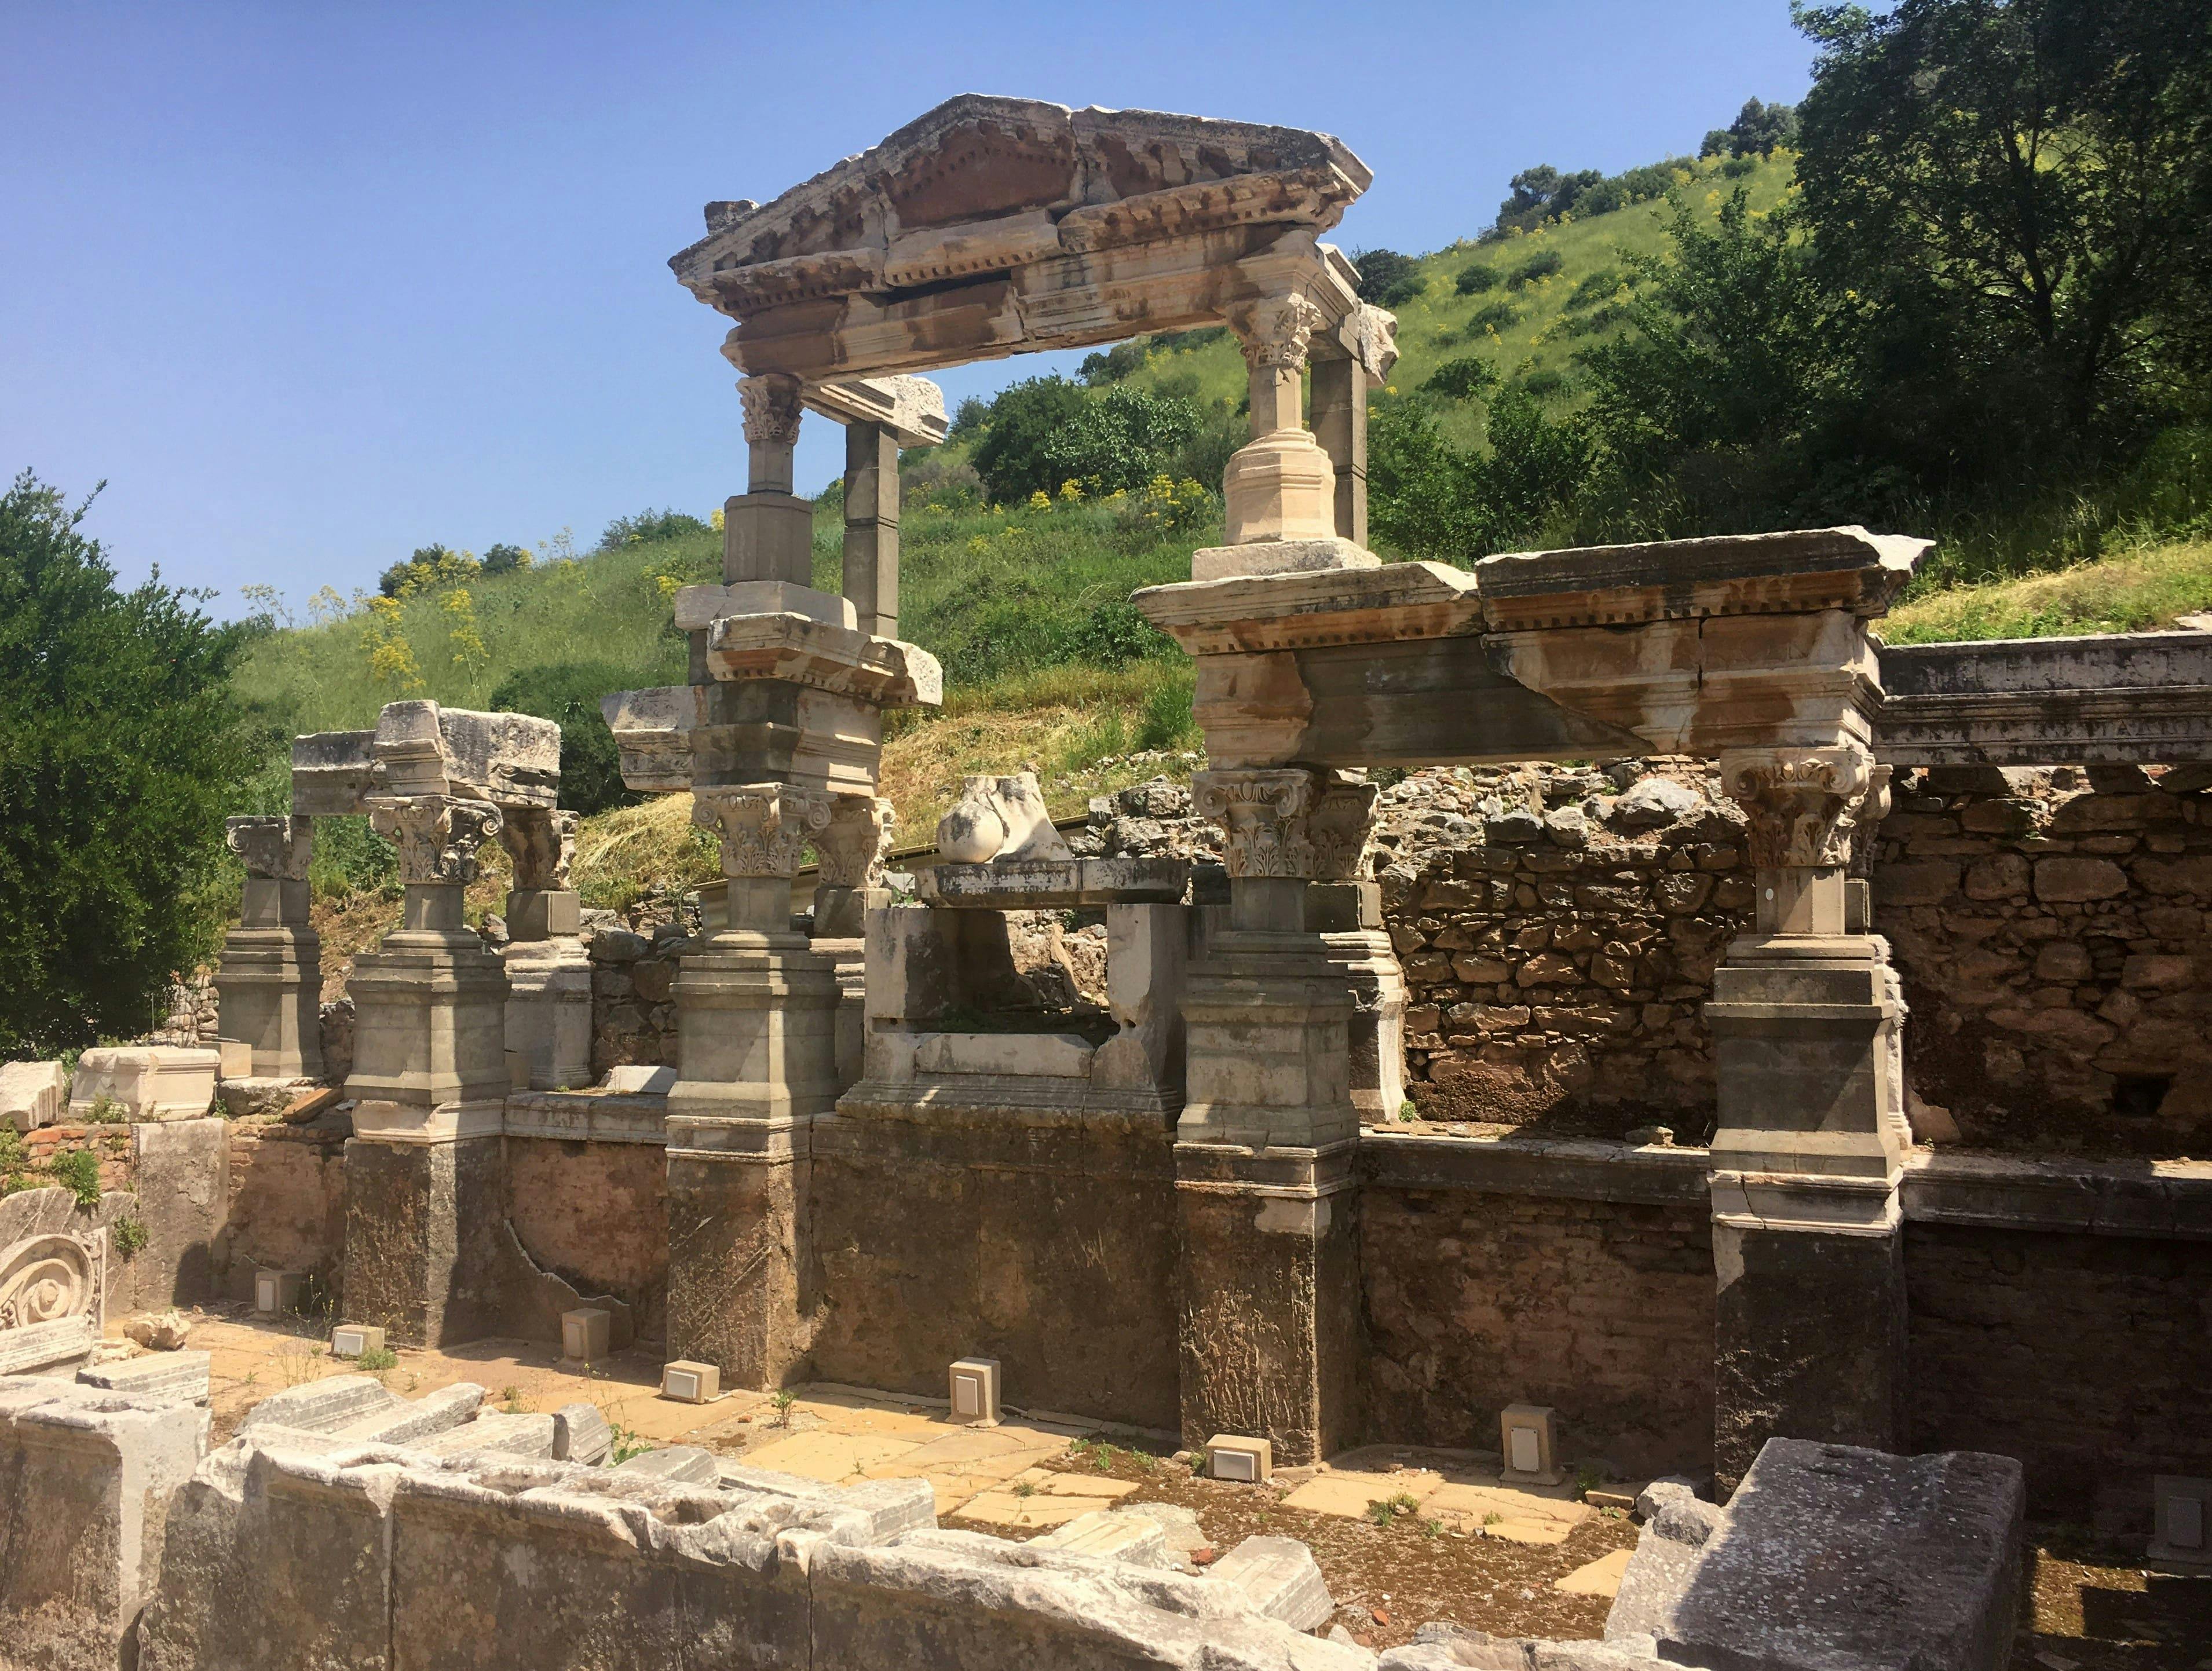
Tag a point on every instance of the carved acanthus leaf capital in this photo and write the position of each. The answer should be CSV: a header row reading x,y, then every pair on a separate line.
x,y
1342,825
542,842
1266,815
772,409
437,835
275,850
1805,805
764,828
1275,333
852,845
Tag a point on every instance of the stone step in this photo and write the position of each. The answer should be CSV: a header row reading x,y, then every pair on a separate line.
x,y
178,1375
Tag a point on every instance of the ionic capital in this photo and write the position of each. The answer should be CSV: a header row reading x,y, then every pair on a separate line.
x,y
764,828
542,842
437,835
852,845
772,409
275,850
1805,805
1275,333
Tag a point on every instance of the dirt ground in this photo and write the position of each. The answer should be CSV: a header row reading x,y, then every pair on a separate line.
x,y
2094,1611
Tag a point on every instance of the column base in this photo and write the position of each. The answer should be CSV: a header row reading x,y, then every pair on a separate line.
x,y
1809,1329
423,1257
756,1027
1279,557
1267,1021
1268,1296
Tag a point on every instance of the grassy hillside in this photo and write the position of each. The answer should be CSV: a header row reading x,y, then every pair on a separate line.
x,y
1530,329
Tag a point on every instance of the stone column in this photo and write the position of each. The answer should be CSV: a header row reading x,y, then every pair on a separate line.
x,y
430,1082
767,530
757,1010
1266,1192
1281,488
872,526
1339,424
549,977
270,981
1806,1228
1344,906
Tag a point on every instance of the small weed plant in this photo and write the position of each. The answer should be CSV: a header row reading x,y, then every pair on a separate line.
x,y
376,1360
128,1234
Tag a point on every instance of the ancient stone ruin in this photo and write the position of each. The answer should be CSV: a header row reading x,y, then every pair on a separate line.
x,y
1558,1008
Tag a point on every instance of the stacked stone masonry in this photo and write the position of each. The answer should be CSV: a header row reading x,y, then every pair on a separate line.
x,y
2050,928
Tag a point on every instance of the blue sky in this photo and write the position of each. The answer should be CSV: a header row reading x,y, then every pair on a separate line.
x,y
311,285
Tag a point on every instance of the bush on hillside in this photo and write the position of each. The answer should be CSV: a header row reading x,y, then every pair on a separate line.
x,y
1475,279
1117,442
1016,427
1543,193
1041,435
648,525
1542,265
431,566
1467,378
122,746
1498,316
568,693
506,559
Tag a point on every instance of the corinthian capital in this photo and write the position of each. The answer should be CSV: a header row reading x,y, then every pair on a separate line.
x,y
772,409
852,845
1267,815
1275,333
1805,805
437,835
276,849
1342,824
764,828
543,843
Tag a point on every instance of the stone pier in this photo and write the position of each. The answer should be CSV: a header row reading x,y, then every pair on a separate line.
x,y
1807,1230
549,977
270,981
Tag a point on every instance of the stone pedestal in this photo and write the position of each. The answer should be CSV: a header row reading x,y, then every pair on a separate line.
x,y
1348,917
268,984
430,1082
1807,1247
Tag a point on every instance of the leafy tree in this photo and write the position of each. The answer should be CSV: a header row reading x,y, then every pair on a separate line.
x,y
1118,441
1388,278
506,559
2018,191
121,749
1759,129
430,568
568,693
1021,419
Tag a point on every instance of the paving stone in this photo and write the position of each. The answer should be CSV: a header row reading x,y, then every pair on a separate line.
x,y
1599,1577
997,1508
827,1455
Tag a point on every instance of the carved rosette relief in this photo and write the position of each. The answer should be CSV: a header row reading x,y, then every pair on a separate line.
x,y
48,1280
852,845
1266,816
543,844
274,849
1805,805
772,409
1276,333
437,835
764,828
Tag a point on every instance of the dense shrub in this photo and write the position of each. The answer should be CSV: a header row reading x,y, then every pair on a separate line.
x,y
648,525
568,693
505,559
121,749
1477,278
1464,379
1016,427
1542,265
1387,278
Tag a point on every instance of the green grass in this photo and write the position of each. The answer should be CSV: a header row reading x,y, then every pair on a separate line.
x,y
2135,591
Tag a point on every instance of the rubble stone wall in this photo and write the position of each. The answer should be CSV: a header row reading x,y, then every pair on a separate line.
x,y
596,1214
2087,1357
2050,928
633,1003
287,1210
1602,1310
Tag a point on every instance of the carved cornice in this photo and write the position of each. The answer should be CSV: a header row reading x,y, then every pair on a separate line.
x,y
276,849
852,845
437,835
764,828
773,408
1266,816
1276,333
1805,805
543,844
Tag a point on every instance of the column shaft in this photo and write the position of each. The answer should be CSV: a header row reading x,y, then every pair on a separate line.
x,y
872,526
1339,424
